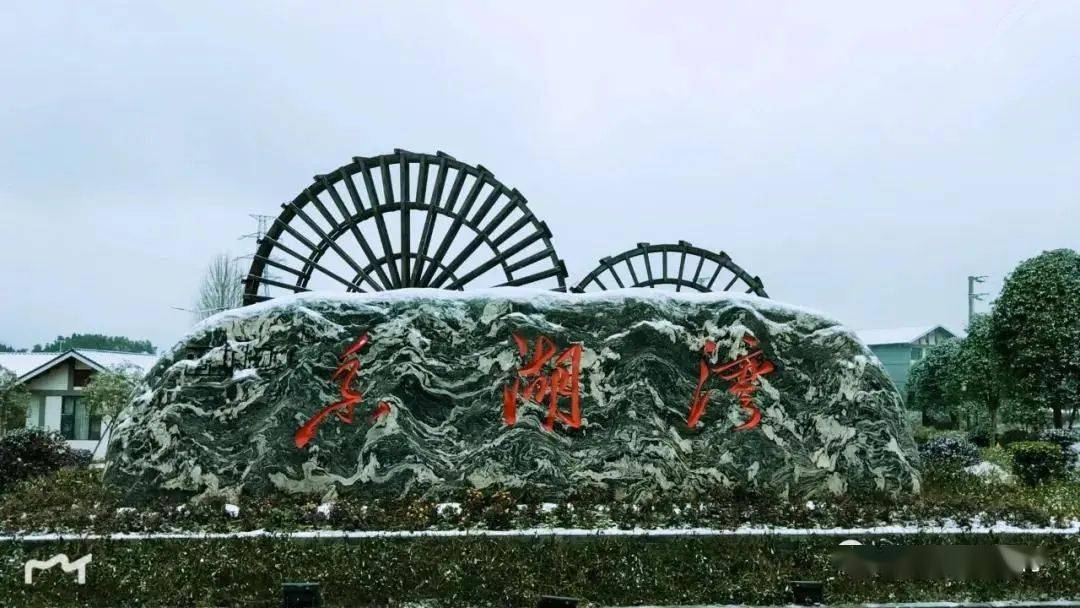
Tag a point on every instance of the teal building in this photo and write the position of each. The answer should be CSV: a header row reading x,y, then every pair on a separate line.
x,y
900,347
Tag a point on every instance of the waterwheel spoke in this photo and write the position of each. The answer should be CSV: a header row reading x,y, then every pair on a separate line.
x,y
429,221
687,254
326,239
353,230
479,219
405,241
503,256
309,262
682,264
483,235
455,226
380,223
644,247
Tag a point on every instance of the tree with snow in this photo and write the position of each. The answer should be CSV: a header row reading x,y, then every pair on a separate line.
x,y
977,373
930,381
1035,328
109,392
14,401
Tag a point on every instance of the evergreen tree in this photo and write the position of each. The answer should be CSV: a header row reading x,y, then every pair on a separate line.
x,y
930,382
95,341
1035,329
977,373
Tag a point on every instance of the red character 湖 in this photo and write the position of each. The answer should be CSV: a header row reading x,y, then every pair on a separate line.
x,y
343,408
562,379
743,372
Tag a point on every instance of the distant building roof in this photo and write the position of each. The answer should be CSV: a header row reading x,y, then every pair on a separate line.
x,y
28,365
898,335
22,363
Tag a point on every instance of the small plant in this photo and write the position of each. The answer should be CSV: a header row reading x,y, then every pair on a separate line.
x,y
921,434
81,458
949,453
28,453
1037,462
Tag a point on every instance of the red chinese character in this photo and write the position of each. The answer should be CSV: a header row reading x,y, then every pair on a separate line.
x,y
743,372
563,380
342,409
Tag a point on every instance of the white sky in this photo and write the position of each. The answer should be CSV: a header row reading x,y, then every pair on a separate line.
x,y
861,157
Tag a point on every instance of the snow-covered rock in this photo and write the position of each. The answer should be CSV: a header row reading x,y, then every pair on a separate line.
x,y
222,412
990,472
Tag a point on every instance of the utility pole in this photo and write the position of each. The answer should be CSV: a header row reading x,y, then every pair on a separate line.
x,y
972,296
263,223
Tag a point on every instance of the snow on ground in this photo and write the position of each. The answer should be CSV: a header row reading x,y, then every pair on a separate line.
x,y
948,528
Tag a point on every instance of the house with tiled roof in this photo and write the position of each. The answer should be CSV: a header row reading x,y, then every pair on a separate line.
x,y
900,347
56,382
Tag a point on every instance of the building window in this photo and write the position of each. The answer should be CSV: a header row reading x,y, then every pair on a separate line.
x,y
82,377
76,421
916,353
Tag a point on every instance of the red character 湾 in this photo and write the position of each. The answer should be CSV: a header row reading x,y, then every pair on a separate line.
x,y
343,408
562,379
743,372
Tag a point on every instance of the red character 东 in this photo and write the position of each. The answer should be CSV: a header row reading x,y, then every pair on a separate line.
x,y
562,380
343,408
743,372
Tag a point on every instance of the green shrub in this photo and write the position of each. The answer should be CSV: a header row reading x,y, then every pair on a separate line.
x,y
485,571
1037,462
1011,436
921,434
70,498
999,456
28,453
948,453
74,500
1064,439
980,436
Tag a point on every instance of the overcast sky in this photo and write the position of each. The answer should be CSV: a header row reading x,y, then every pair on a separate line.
x,y
863,158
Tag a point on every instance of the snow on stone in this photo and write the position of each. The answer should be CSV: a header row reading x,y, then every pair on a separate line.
x,y
513,294
242,374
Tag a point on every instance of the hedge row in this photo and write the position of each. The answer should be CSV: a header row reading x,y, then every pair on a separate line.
x,y
496,571
76,501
